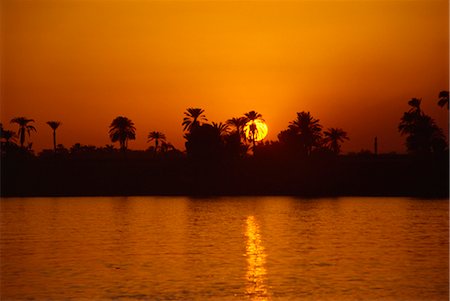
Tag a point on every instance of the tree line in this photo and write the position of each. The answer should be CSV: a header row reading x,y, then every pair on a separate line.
x,y
237,137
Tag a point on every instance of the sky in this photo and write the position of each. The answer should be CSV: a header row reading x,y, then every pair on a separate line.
x,y
352,64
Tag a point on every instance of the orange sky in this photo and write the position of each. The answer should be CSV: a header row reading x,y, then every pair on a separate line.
x,y
352,64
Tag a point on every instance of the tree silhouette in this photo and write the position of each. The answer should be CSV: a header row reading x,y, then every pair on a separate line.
x,y
24,127
54,125
423,135
334,137
156,136
443,99
238,124
204,142
251,117
166,147
122,129
9,136
6,134
221,128
194,117
415,105
289,139
308,130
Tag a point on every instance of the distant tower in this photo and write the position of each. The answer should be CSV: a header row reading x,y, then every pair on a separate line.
x,y
375,146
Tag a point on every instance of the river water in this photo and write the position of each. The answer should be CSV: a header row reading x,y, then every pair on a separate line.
x,y
230,248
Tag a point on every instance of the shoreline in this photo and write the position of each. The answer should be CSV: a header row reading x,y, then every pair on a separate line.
x,y
384,176
202,196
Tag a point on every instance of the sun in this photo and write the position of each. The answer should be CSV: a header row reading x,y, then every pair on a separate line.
x,y
260,127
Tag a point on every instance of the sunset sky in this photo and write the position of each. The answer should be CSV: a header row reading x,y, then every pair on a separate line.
x,y
352,64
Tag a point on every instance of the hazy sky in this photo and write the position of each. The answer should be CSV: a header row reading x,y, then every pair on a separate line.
x,y
352,64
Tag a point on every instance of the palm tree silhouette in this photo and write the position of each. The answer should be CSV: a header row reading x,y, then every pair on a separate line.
x,y
222,128
443,99
239,124
335,136
24,127
193,118
308,129
165,147
251,117
122,129
423,134
157,136
8,136
54,125
415,105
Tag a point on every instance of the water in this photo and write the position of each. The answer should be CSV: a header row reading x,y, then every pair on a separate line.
x,y
246,248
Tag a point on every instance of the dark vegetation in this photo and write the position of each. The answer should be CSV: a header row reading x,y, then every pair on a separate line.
x,y
227,159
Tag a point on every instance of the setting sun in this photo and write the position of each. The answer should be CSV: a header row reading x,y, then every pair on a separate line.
x,y
136,159
260,130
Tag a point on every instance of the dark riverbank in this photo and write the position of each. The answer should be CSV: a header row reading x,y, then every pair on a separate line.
x,y
357,175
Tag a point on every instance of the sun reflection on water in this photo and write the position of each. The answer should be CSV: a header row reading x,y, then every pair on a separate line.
x,y
256,275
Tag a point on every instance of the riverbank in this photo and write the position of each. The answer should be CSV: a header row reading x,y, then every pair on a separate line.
x,y
384,175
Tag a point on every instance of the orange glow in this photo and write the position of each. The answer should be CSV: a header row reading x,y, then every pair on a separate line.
x,y
256,259
86,62
261,130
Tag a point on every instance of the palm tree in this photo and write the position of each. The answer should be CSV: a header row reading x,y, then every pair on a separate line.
x,y
165,147
423,134
415,105
335,136
122,129
8,136
251,117
194,116
443,99
54,125
24,127
222,128
157,136
239,124
308,129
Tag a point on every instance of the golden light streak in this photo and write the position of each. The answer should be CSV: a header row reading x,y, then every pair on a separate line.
x,y
256,275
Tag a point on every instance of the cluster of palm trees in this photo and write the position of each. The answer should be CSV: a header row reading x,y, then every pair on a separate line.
x,y
230,132
122,130
195,117
304,133
25,128
422,133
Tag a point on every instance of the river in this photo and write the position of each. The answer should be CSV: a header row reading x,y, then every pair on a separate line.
x,y
229,248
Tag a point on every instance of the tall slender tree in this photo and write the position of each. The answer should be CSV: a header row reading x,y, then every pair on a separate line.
x,y
334,137
156,136
54,125
251,117
308,129
422,133
122,129
24,128
238,124
193,117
